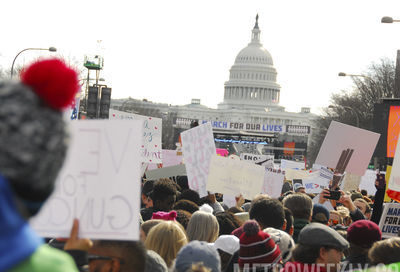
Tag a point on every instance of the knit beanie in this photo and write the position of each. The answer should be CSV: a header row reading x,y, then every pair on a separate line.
x,y
363,233
33,139
257,247
320,214
284,241
168,216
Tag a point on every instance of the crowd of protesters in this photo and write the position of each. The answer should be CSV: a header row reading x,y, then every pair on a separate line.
x,y
179,230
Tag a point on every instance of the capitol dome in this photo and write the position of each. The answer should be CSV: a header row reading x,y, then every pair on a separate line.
x,y
252,80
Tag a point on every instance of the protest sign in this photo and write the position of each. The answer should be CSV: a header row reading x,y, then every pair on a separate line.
x,y
272,184
286,164
166,172
265,160
342,137
152,131
368,181
390,220
291,174
351,182
233,177
169,158
198,146
393,189
316,181
99,183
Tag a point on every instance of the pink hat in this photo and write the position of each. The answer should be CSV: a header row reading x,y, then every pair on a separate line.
x,y
168,216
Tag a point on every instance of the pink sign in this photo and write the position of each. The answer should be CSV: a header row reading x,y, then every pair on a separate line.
x,y
222,152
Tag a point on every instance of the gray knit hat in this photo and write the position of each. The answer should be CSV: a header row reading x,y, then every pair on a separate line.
x,y
33,139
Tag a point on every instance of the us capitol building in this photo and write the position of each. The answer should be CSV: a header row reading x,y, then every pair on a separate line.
x,y
249,119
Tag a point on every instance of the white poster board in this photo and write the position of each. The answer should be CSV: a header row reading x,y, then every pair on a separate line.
x,y
198,147
233,177
169,158
152,131
273,182
368,182
350,182
316,181
265,160
99,183
286,164
390,220
341,137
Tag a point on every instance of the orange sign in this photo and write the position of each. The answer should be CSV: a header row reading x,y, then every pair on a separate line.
x,y
393,130
288,148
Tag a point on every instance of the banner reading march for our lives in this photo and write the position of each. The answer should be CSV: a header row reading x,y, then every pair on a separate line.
x,y
198,147
99,183
151,138
390,220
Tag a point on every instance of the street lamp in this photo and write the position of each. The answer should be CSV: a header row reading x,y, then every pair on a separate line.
x,y
341,74
388,20
350,109
51,49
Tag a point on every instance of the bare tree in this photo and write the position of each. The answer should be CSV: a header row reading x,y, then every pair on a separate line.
x,y
357,105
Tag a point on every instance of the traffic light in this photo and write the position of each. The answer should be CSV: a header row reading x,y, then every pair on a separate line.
x,y
92,102
105,102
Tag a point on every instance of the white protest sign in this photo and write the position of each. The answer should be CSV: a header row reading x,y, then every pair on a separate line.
x,y
341,137
273,182
198,146
368,182
265,160
286,164
351,182
390,220
229,201
152,131
317,181
99,183
233,177
291,174
169,158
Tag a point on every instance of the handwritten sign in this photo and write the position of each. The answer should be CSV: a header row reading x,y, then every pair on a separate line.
x,y
341,137
233,177
273,182
151,137
198,146
99,183
390,220
264,160
169,158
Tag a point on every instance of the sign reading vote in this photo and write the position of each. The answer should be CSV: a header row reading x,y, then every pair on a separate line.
x,y
390,220
234,177
99,183
198,146
152,131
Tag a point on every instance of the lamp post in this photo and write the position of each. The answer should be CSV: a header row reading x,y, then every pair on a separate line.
x,y
51,49
350,109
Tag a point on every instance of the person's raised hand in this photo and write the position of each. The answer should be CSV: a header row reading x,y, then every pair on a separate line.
x,y
239,200
345,199
76,243
322,195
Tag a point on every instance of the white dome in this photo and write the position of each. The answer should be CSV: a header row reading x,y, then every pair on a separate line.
x,y
254,54
252,78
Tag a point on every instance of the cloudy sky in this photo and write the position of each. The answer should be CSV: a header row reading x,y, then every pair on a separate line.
x,y
174,50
